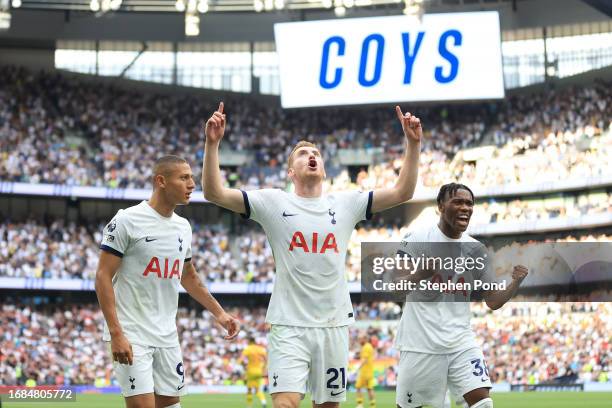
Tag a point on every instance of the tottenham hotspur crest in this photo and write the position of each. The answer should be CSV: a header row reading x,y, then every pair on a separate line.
x,y
180,240
332,214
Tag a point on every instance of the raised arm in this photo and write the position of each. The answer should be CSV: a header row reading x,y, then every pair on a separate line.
x,y
403,189
108,265
196,289
497,298
212,185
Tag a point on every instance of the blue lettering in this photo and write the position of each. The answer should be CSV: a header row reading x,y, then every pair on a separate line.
x,y
380,40
325,61
408,57
445,53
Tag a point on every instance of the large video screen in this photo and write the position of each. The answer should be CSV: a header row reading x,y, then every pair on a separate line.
x,y
452,56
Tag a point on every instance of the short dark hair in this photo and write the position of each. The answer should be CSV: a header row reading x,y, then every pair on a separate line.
x,y
163,163
450,189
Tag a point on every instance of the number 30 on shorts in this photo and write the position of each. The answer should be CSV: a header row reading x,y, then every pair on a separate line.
x,y
480,367
333,379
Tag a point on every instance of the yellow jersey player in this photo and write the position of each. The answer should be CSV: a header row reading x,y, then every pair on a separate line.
x,y
255,357
365,378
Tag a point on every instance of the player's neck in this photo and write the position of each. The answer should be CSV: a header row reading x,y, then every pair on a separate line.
x,y
448,231
160,205
309,190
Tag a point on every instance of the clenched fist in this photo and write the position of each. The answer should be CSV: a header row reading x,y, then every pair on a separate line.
x,y
519,272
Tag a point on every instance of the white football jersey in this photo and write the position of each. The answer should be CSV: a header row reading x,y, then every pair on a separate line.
x,y
436,327
309,239
153,249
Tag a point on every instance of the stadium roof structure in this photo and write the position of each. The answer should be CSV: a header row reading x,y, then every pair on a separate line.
x,y
39,23
173,6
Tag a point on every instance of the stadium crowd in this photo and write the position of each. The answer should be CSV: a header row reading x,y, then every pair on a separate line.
x,y
538,343
56,129
63,250
523,342
570,140
70,251
517,211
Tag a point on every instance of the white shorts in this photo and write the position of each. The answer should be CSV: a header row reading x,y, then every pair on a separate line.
x,y
154,369
422,378
314,359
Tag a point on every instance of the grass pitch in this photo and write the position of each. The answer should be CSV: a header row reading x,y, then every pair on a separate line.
x,y
384,399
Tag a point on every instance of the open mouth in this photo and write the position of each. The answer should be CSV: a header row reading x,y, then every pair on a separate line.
x,y
463,219
312,163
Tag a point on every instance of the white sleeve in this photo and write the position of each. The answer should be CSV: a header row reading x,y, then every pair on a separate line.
x,y
116,235
358,204
188,250
409,245
258,204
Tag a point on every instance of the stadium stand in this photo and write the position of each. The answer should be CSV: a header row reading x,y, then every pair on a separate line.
x,y
524,342
63,250
79,133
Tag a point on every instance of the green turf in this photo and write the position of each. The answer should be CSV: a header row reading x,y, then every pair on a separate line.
x,y
384,399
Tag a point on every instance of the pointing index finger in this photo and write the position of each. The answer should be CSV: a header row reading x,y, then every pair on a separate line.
x,y
398,110
220,110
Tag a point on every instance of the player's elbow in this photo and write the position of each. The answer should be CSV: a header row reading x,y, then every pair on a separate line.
x,y
211,194
493,305
403,194
207,195
187,282
102,281
186,285
98,282
408,196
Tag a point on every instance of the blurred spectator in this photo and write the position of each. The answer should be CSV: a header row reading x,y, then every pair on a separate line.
x,y
522,342
57,129
70,251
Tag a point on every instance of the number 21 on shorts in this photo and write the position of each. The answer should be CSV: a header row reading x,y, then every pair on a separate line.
x,y
333,379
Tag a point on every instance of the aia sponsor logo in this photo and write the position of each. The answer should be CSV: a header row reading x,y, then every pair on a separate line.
x,y
298,241
155,268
